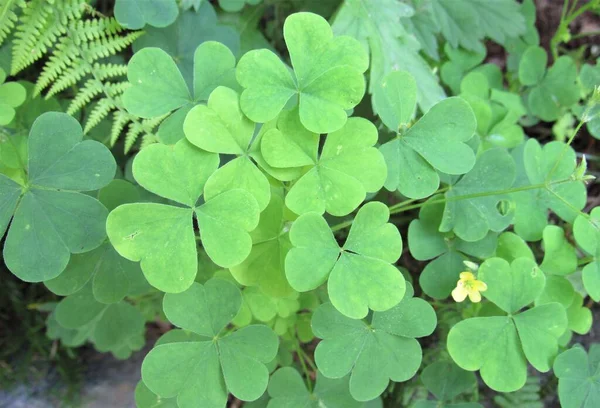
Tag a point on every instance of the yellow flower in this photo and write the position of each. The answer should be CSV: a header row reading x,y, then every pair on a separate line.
x,y
468,285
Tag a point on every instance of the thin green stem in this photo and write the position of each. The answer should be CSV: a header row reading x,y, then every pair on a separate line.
x,y
482,194
308,359
585,261
303,364
585,34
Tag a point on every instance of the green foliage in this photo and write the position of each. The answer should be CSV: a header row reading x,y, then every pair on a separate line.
x,y
12,95
260,201
327,77
162,236
577,374
376,24
500,346
202,371
360,275
376,351
51,218
135,14
445,380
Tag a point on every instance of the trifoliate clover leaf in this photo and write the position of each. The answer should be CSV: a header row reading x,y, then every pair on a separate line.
x,y
376,352
501,346
445,380
158,87
181,39
265,266
448,252
287,389
112,276
201,372
550,168
162,236
221,127
135,14
338,180
436,142
578,375
587,234
51,218
327,76
470,212
552,91
12,95
233,6
360,274
377,25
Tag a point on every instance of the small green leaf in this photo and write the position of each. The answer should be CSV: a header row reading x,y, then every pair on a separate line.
x,y
396,99
560,257
511,286
448,252
587,234
435,142
162,236
553,162
348,168
201,372
181,39
532,67
135,14
472,218
50,223
157,86
500,346
445,380
578,374
373,353
264,267
221,127
328,75
287,389
360,273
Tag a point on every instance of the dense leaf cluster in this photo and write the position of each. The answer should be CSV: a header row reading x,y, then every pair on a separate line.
x,y
262,214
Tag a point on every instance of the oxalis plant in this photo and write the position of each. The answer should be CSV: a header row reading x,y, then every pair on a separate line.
x,y
343,213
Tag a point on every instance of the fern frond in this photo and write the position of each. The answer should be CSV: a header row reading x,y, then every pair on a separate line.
x,y
42,23
86,94
70,77
100,111
8,17
120,120
109,45
145,127
108,71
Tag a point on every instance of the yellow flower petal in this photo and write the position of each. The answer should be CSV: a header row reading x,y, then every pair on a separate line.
x,y
474,296
480,286
459,293
466,276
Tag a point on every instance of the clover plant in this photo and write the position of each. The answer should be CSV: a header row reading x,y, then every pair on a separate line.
x,y
341,204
